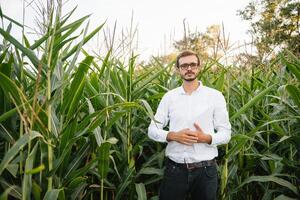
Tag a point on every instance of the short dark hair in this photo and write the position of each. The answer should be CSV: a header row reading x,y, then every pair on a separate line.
x,y
186,53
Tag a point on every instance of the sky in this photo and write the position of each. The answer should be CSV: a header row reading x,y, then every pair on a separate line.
x,y
159,22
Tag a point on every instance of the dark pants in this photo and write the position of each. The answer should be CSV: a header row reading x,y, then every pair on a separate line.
x,y
180,183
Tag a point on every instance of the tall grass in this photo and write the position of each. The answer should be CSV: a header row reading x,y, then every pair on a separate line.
x,y
77,129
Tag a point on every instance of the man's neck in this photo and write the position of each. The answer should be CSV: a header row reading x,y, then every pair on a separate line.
x,y
190,86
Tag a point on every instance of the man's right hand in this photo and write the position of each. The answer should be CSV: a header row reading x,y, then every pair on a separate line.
x,y
184,136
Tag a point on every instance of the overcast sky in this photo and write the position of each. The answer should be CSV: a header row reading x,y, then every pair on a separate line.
x,y
159,22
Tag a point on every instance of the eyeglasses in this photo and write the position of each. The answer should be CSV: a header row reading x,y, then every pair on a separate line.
x,y
185,66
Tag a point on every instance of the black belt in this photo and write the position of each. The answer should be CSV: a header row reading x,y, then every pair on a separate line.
x,y
190,166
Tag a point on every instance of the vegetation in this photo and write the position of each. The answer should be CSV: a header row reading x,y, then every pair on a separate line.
x,y
275,25
74,129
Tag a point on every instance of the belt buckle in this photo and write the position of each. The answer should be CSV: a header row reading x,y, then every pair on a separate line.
x,y
190,166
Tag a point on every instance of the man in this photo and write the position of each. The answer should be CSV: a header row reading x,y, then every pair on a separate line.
x,y
193,112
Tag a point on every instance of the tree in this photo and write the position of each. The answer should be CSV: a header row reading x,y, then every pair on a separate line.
x,y
210,44
274,25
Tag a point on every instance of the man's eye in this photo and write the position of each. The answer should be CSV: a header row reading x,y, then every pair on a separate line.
x,y
185,65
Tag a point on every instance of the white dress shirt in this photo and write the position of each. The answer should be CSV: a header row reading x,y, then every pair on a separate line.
x,y
205,106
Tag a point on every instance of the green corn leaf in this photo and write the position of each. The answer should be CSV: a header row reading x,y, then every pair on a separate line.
x,y
270,178
4,195
103,164
147,108
52,194
1,13
28,52
62,157
67,16
141,87
252,102
293,68
10,88
114,119
15,191
76,89
219,84
74,25
36,190
3,55
97,117
141,191
241,140
117,84
26,41
97,130
58,46
11,112
79,190
294,92
85,40
124,183
27,180
13,169
14,150
283,197
105,63
76,182
81,154
12,20
71,29
97,99
151,171
82,171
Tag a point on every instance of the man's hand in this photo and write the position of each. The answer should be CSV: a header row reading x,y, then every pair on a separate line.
x,y
201,136
189,137
184,136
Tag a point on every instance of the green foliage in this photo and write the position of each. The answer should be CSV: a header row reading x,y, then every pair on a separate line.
x,y
274,24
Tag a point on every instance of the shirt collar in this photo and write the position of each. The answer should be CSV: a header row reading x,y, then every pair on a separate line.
x,y
181,90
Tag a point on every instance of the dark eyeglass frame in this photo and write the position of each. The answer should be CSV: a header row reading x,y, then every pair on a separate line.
x,y
185,66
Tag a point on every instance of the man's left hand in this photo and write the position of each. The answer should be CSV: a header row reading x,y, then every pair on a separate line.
x,y
202,137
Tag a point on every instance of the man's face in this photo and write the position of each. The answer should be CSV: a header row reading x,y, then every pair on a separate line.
x,y
188,68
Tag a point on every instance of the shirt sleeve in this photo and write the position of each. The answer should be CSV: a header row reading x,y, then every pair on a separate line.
x,y
221,122
155,130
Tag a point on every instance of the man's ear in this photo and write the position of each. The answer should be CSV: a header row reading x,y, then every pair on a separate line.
x,y
177,70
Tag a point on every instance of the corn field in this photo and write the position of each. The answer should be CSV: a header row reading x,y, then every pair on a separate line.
x,y
74,125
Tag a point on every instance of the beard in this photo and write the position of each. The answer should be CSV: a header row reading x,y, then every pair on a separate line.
x,y
189,76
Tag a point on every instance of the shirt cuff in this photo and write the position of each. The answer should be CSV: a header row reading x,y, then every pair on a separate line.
x,y
161,136
213,140
219,138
